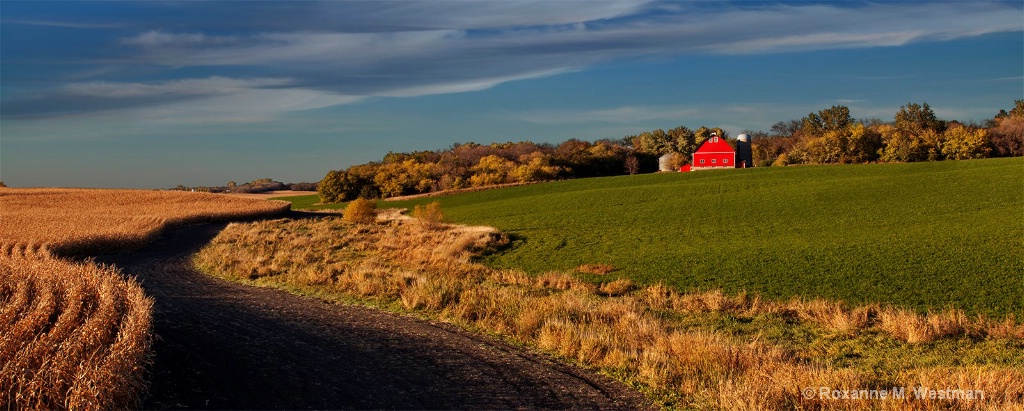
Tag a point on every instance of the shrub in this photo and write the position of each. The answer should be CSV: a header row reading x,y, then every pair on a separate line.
x,y
360,211
430,215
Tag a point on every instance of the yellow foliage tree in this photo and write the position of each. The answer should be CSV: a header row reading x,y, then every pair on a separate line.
x,y
963,143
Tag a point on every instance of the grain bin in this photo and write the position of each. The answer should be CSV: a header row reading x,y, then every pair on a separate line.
x,y
665,162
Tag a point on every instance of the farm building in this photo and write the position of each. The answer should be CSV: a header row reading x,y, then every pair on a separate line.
x,y
665,162
715,152
744,152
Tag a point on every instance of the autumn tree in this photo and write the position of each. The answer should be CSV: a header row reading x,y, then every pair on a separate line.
x,y
406,177
862,143
535,167
915,135
704,132
656,142
789,128
901,146
632,164
1007,131
491,170
963,142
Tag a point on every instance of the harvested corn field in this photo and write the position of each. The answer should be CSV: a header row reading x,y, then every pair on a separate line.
x,y
85,221
75,334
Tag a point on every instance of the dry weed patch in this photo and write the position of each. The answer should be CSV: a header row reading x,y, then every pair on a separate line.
x,y
703,350
77,335
596,269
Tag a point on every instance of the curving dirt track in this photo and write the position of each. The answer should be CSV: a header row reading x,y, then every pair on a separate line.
x,y
221,345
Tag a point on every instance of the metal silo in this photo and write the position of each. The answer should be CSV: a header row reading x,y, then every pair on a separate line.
x,y
744,153
665,163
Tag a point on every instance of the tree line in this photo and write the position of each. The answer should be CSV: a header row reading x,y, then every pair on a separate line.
x,y
262,185
829,136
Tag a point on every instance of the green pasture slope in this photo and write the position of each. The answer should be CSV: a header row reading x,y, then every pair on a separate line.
x,y
922,235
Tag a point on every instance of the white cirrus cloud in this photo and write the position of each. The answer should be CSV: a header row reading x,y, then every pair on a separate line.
x,y
194,87
344,51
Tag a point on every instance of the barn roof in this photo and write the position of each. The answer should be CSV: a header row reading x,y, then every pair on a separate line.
x,y
714,145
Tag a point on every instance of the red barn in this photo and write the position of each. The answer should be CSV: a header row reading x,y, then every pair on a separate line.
x,y
714,152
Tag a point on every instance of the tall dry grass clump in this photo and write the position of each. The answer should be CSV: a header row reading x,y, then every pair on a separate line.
x,y
429,215
77,335
643,334
360,211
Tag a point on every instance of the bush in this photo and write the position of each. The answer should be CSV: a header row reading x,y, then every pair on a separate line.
x,y
430,215
360,211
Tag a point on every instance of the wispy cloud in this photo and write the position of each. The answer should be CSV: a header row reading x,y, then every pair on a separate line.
x,y
65,24
213,99
309,55
207,86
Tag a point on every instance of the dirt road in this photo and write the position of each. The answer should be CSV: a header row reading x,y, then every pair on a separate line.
x,y
223,345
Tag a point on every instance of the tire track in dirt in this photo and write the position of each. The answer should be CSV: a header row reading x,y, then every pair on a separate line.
x,y
221,345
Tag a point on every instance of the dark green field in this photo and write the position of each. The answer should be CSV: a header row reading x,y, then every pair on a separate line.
x,y
922,235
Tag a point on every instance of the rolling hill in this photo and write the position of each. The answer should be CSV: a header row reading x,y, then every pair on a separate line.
x,y
920,235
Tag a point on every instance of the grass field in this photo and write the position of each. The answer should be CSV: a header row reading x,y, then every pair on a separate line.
x,y
922,235
699,350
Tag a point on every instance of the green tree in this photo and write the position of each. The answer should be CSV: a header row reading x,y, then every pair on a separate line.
x,y
684,141
916,119
836,118
655,142
330,189
1016,111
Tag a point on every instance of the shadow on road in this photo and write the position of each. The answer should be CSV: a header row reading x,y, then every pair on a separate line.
x,y
224,345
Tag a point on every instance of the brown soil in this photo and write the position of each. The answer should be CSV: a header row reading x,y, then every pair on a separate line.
x,y
221,345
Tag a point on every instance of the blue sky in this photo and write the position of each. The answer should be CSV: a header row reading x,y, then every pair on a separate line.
x,y
154,94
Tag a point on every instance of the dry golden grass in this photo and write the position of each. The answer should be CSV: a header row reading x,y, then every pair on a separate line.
x,y
596,269
77,335
615,326
430,215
